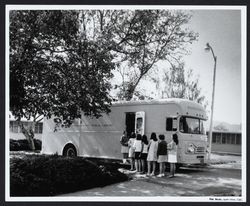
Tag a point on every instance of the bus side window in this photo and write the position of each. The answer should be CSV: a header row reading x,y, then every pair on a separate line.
x,y
139,125
171,124
181,124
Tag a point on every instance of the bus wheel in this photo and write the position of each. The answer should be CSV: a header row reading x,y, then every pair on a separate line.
x,y
69,151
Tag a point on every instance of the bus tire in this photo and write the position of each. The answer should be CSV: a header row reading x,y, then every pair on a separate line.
x,y
69,150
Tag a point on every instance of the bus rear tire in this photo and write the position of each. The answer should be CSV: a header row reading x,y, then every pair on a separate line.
x,y
69,151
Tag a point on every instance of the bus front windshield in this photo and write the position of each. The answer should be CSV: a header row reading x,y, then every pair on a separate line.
x,y
191,125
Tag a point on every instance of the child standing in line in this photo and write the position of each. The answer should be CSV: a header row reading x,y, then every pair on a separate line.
x,y
162,155
138,149
144,153
124,146
172,154
131,151
152,154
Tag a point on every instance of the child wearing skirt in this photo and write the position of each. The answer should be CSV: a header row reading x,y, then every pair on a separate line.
x,y
131,151
138,149
152,154
162,155
144,153
172,154
124,146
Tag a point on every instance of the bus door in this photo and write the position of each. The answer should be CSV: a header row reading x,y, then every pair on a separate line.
x,y
130,122
140,122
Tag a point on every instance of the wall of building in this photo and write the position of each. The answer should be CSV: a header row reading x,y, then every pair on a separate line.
x,y
16,133
227,148
226,142
17,136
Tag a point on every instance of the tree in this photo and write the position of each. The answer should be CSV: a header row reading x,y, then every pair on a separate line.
x,y
61,61
144,37
138,39
54,71
175,83
220,127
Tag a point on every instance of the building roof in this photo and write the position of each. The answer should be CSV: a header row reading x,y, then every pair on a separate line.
x,y
224,127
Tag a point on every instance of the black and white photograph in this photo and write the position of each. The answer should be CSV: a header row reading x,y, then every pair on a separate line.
x,y
125,103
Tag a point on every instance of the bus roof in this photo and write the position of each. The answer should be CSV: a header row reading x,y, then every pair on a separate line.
x,y
184,104
155,101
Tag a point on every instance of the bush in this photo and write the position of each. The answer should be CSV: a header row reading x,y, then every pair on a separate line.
x,y
23,145
47,175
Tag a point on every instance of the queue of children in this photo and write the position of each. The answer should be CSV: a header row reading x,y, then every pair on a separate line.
x,y
141,151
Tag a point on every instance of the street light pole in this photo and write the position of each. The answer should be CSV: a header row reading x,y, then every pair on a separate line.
x,y
209,48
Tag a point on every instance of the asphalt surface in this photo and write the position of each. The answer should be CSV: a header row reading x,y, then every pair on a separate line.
x,y
187,182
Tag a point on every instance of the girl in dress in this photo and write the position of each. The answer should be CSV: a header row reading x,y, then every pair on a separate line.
x,y
172,154
131,151
144,153
152,154
124,146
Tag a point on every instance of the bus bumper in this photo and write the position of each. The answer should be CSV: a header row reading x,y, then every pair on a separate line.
x,y
194,159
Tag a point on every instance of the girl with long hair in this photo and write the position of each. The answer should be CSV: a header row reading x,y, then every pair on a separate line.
x,y
172,154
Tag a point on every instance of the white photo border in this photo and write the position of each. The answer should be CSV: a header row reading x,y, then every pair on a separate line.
x,y
243,10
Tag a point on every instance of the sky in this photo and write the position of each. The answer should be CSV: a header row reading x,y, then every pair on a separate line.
x,y
222,30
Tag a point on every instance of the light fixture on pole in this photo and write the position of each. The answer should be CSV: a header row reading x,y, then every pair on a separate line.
x,y
209,48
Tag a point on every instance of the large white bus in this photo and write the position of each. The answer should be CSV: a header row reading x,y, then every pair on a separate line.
x,y
91,137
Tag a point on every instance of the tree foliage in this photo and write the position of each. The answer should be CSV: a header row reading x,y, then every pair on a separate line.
x,y
53,70
178,83
145,37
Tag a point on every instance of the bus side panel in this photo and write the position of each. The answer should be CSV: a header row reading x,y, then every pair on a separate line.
x,y
101,137
100,144
54,141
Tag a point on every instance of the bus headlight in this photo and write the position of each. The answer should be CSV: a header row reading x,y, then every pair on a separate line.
x,y
190,148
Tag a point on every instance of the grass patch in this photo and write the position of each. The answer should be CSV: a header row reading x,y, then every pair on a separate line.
x,y
49,175
23,145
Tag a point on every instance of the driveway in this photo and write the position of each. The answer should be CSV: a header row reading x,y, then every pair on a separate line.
x,y
188,182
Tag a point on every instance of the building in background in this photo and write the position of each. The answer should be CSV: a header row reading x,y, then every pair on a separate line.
x,y
226,142
226,138
15,131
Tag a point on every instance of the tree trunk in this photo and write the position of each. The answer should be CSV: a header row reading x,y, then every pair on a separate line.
x,y
131,88
129,92
29,134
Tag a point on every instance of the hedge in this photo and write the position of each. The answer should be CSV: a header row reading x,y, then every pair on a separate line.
x,y
49,175
23,145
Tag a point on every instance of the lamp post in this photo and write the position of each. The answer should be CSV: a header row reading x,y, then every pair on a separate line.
x,y
209,48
